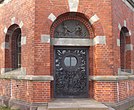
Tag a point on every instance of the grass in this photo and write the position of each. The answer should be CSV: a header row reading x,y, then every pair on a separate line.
x,y
4,108
132,108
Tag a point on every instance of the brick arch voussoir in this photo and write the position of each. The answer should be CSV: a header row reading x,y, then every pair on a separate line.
x,y
10,31
97,26
80,16
56,14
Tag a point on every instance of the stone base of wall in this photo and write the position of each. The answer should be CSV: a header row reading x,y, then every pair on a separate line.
x,y
22,105
4,101
19,104
123,105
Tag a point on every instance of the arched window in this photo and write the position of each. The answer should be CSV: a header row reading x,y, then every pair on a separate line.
x,y
13,53
1,1
125,54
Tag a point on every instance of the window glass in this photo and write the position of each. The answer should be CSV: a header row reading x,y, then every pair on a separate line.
x,y
67,61
70,61
73,61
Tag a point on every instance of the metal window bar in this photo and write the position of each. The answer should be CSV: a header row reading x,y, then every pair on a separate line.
x,y
131,2
19,51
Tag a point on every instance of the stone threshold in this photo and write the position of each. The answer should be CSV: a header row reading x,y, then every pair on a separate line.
x,y
76,104
56,104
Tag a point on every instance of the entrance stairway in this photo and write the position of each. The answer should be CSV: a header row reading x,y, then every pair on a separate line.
x,y
75,104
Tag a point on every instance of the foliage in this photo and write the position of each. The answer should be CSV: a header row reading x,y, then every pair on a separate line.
x,y
4,108
132,108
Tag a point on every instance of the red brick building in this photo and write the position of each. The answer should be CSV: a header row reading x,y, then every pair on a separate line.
x,y
66,49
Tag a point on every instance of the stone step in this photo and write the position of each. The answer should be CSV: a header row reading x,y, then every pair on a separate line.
x,y
42,108
76,104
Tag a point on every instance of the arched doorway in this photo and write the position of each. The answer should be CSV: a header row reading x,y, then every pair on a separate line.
x,y
71,69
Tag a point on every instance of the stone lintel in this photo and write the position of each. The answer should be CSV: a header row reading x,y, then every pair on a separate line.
x,y
78,41
71,42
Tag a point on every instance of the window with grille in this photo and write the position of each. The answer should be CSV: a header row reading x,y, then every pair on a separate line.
x,y
13,53
131,2
1,1
125,54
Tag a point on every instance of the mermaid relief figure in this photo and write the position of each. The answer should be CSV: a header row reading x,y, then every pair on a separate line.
x,y
78,30
66,31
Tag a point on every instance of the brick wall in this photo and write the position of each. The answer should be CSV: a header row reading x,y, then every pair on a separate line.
x,y
22,10
43,26
38,57
105,91
121,12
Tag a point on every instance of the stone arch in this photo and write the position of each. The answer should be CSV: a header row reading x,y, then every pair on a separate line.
x,y
13,48
125,50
